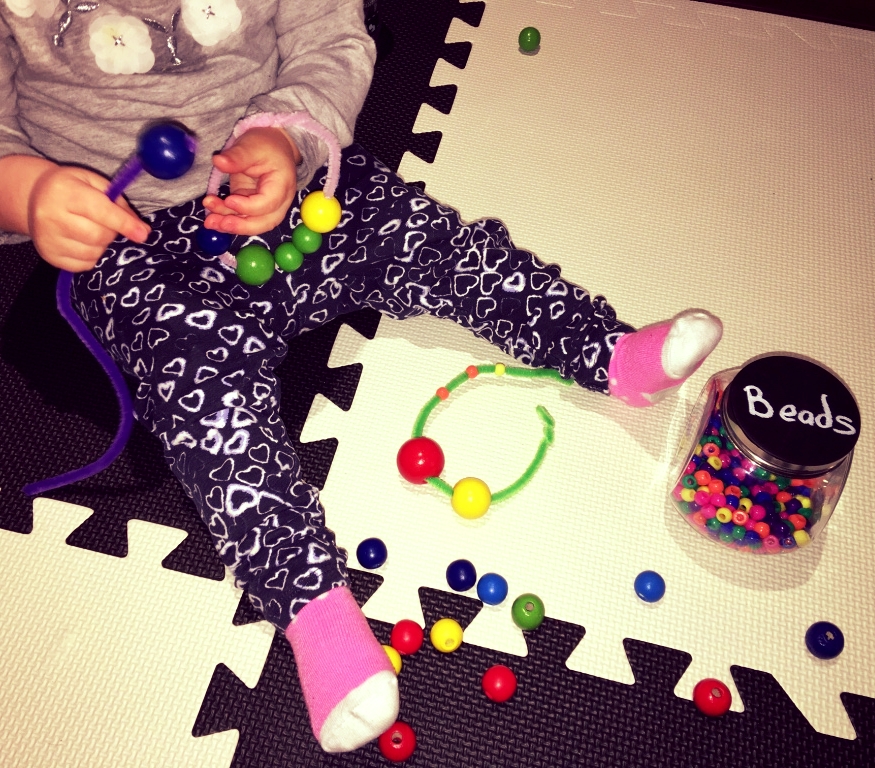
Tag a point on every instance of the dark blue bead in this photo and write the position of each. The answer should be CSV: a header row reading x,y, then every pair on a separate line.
x,y
212,242
726,476
792,506
788,542
727,527
825,640
166,151
781,529
732,501
763,498
461,575
734,462
750,536
371,553
803,491
692,506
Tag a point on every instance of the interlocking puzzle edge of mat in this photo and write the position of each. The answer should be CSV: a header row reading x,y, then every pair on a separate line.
x,y
443,179
106,660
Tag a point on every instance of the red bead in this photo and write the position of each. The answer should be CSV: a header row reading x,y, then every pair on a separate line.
x,y
420,458
499,683
797,521
712,697
443,393
472,371
398,743
406,637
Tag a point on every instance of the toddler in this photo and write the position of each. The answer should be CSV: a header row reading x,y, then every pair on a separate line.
x,y
285,80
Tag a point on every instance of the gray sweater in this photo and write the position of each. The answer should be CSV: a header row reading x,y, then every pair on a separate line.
x,y
79,79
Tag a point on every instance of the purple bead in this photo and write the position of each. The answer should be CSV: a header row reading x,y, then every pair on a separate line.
x,y
792,506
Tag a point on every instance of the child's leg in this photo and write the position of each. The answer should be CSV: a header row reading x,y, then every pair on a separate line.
x,y
203,348
400,252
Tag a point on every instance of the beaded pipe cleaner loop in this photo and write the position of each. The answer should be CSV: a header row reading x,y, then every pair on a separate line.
x,y
420,460
320,210
165,151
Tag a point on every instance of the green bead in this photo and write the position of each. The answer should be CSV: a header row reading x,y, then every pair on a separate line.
x,y
805,512
782,482
527,611
726,537
288,258
760,474
745,491
738,532
530,39
305,239
713,524
255,264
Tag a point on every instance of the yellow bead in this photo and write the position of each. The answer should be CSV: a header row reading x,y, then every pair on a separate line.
x,y
724,514
394,657
320,213
698,451
802,538
804,501
500,369
471,498
446,635
688,494
745,504
715,462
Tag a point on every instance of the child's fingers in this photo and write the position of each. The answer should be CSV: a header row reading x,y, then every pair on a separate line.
x,y
242,225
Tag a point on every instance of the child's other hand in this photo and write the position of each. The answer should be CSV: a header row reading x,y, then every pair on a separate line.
x,y
72,221
262,165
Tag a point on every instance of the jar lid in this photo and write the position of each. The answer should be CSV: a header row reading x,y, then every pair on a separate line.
x,y
791,415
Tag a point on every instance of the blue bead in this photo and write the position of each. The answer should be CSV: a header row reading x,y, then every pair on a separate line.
x,y
212,242
461,575
166,151
788,542
371,553
825,640
727,527
762,498
752,537
726,476
792,506
649,586
492,588
692,506
802,490
732,501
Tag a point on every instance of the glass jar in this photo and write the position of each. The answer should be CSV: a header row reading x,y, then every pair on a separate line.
x,y
766,453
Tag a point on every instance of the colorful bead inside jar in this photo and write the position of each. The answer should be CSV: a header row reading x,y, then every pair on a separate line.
x,y
766,455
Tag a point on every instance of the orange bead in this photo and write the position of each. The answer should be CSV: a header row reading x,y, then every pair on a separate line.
x,y
703,477
443,393
797,521
715,486
783,496
740,517
762,529
710,449
732,490
472,371
698,518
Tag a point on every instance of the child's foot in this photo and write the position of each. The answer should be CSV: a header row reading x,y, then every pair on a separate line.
x,y
654,361
348,681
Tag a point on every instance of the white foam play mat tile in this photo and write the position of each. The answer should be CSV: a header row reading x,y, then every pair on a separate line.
x,y
666,155
106,660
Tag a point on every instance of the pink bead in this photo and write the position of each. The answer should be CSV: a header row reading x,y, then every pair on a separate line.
x,y
757,512
734,453
749,524
676,493
771,542
738,473
691,468
702,498
708,511
724,459
771,488
783,515
718,500
747,465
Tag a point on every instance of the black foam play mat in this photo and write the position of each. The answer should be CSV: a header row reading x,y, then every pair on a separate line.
x,y
58,412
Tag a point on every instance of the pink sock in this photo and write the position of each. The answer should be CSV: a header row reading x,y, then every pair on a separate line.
x,y
349,685
650,363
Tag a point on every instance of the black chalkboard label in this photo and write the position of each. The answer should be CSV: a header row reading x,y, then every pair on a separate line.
x,y
793,412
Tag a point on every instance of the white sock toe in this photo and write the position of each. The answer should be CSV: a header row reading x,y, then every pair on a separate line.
x,y
362,715
693,335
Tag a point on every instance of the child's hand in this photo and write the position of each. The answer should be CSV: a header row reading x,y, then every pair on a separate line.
x,y
72,221
262,165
